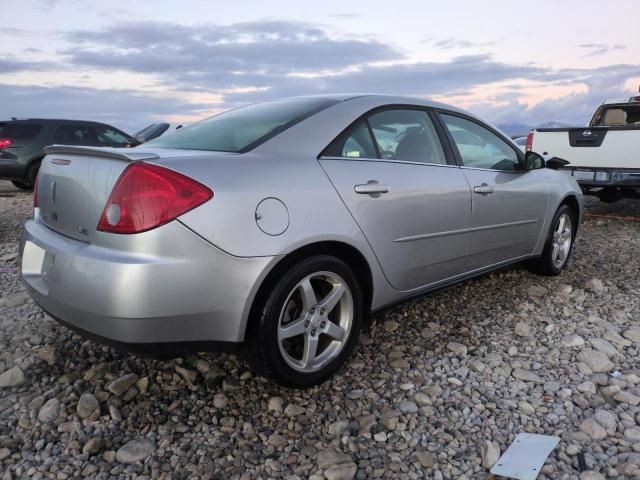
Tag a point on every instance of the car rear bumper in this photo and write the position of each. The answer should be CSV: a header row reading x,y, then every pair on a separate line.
x,y
182,291
12,169
604,177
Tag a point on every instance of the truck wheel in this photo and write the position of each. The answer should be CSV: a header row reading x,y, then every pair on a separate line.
x,y
29,181
308,324
559,244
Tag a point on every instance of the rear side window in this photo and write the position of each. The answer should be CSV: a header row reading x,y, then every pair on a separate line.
x,y
20,131
75,135
244,128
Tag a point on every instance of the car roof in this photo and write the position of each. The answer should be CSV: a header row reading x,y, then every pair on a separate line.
x,y
52,121
382,99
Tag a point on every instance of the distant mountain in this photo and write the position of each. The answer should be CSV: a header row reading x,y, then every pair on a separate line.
x,y
515,128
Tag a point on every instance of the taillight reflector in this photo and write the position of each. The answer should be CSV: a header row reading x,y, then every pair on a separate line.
x,y
5,142
147,196
529,143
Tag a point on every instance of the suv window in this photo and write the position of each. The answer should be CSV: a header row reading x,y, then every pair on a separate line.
x,y
479,147
407,135
110,137
244,128
20,131
75,135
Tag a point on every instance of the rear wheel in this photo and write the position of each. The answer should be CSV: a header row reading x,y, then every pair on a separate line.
x,y
29,181
559,244
308,324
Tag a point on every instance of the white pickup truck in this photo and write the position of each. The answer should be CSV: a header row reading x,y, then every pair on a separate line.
x,y
604,157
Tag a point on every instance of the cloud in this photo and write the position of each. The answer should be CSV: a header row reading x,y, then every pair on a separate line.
x,y
451,43
9,64
127,109
598,49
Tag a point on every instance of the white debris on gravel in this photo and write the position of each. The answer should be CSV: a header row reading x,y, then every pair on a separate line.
x,y
437,388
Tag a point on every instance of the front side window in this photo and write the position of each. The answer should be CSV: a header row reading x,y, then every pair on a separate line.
x,y
479,147
75,135
110,137
244,128
407,135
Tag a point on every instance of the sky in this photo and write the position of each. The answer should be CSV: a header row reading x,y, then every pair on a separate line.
x,y
134,62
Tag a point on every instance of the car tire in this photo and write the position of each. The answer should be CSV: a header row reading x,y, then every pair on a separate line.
x,y
558,245
29,181
22,185
317,303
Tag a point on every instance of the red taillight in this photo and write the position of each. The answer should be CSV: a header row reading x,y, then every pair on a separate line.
x,y
5,142
529,144
147,196
35,193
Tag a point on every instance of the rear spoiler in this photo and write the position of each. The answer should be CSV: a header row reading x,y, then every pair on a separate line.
x,y
104,152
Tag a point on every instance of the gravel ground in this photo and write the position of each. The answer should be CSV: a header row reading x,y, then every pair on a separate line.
x,y
437,388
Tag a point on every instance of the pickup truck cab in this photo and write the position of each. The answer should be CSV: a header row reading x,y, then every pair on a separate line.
x,y
604,157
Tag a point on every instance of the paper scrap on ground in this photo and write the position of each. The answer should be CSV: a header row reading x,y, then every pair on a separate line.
x,y
525,456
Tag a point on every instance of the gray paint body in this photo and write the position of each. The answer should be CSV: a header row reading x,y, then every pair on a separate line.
x,y
195,278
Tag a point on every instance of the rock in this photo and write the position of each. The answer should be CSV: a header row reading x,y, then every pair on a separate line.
x,y
48,354
400,363
591,475
390,419
336,428
120,385
627,397
572,450
573,340
632,334
87,404
407,407
422,399
536,291
275,404
607,419
526,408
16,300
294,410
595,285
587,387
202,366
142,384
49,411
355,394
380,437
330,456
490,454
93,446
277,441
390,325
632,434
523,329
593,429
458,348
617,339
220,400
13,377
526,375
135,451
604,346
188,375
597,361
425,459
343,471
455,381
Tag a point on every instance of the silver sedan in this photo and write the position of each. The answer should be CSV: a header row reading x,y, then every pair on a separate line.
x,y
277,227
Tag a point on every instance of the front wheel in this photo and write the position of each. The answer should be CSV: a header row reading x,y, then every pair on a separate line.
x,y
22,184
559,244
308,324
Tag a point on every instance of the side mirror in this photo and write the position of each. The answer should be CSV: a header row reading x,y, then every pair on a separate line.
x,y
533,161
555,163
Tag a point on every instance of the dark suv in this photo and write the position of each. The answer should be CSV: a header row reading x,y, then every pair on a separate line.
x,y
22,143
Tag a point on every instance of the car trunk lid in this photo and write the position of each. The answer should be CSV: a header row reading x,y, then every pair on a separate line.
x,y
74,184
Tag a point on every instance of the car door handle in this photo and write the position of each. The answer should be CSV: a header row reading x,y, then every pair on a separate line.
x,y
483,189
371,188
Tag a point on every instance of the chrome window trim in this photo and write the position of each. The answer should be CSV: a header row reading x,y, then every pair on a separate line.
x,y
387,160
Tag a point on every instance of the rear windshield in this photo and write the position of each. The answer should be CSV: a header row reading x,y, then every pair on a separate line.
x,y
244,128
618,116
20,131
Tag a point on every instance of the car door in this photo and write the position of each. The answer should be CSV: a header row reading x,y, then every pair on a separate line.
x,y
508,204
409,198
